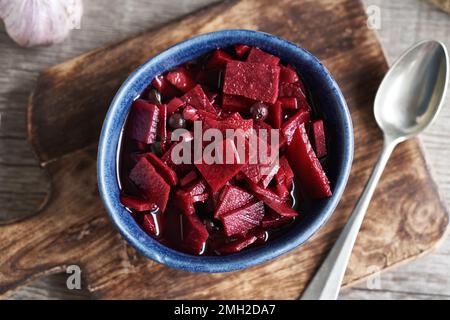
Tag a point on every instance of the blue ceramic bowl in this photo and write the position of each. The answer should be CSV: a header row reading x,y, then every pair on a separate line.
x,y
332,108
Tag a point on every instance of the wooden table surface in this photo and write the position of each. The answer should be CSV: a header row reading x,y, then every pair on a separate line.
x,y
23,187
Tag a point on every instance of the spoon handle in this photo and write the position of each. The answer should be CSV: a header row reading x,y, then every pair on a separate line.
x,y
327,281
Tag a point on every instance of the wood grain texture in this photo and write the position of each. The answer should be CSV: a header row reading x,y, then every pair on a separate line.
x,y
57,248
403,23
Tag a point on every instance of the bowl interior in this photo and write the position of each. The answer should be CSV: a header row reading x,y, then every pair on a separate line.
x,y
330,105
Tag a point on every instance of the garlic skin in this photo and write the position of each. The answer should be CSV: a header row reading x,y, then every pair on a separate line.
x,y
40,22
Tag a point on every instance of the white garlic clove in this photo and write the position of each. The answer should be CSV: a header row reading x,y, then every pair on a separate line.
x,y
40,22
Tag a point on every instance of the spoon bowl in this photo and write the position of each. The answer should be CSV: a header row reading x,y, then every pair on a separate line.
x,y
411,94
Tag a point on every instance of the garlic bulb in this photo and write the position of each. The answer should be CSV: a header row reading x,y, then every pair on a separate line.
x,y
40,22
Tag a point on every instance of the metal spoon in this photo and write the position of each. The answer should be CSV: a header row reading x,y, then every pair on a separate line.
x,y
407,102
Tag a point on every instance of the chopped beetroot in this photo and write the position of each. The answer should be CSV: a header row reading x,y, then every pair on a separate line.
x,y
187,179
288,75
241,49
218,59
136,203
281,190
165,87
287,171
267,177
274,220
174,105
194,234
190,113
306,166
241,220
196,188
272,200
289,103
257,55
150,224
163,169
276,115
291,125
256,81
162,126
236,103
152,185
143,123
237,245
197,98
180,169
291,90
184,202
319,138
252,172
218,174
181,79
206,205
231,198
257,125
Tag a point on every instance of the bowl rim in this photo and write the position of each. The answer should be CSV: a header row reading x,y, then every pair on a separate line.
x,y
151,248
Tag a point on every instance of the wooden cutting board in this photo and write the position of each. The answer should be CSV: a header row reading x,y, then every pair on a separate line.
x,y
406,217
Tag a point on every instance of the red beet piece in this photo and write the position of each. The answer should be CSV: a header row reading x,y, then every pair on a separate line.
x,y
200,197
262,125
272,200
218,59
184,202
237,245
196,188
291,125
180,169
306,166
236,103
231,198
272,171
174,105
162,126
187,179
143,123
136,203
241,220
286,169
181,79
257,55
150,224
281,190
164,87
258,169
190,113
198,99
218,174
276,115
256,81
295,90
319,138
289,103
241,49
163,169
288,75
291,90
194,234
273,220
252,172
152,185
